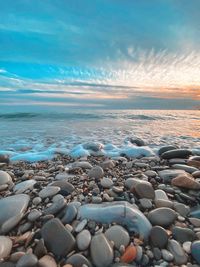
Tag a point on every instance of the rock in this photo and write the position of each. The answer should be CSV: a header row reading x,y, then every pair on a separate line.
x,y
168,175
187,247
195,222
167,256
164,203
5,178
196,174
55,207
158,237
129,254
83,240
4,159
176,153
40,249
34,215
81,164
81,226
12,210
195,212
146,203
23,186
107,164
195,251
28,260
66,188
5,246
118,235
49,191
47,261
194,161
145,190
185,181
78,260
137,141
57,238
37,200
101,251
183,234
96,172
106,183
160,194
70,214
182,209
162,216
150,173
130,183
177,251
184,167
165,149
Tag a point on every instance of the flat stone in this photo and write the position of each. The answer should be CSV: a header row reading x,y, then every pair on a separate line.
x,y
145,190
162,216
167,256
182,209
184,167
49,191
83,240
185,181
158,237
177,251
183,234
34,215
28,260
96,172
169,174
5,178
146,203
160,194
176,153
165,149
12,210
5,246
195,251
106,182
66,188
118,235
23,186
163,203
101,251
47,261
57,238
78,260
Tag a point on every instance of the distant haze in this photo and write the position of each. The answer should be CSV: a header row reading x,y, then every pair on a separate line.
x,y
116,54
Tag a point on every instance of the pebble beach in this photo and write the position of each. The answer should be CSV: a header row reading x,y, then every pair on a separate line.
x,y
127,210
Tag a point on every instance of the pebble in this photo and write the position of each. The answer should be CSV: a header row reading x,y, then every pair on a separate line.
x,y
183,234
101,251
118,235
146,203
195,222
57,238
187,247
195,251
23,186
37,200
34,215
182,209
107,164
5,246
106,182
158,237
145,190
81,226
47,261
168,175
176,153
167,256
177,251
129,254
28,260
185,181
164,203
5,178
165,149
78,260
162,216
96,172
160,194
12,210
184,167
66,188
83,240
49,191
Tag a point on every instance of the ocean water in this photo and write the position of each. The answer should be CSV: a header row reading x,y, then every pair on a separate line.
x,y
29,134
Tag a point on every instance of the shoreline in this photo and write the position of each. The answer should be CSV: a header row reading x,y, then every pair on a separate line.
x,y
98,211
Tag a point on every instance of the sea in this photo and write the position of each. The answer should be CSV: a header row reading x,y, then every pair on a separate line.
x,y
25,135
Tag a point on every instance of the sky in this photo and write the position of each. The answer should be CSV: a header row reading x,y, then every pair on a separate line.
x,y
99,54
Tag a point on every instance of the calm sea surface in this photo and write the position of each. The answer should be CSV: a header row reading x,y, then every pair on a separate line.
x,y
23,131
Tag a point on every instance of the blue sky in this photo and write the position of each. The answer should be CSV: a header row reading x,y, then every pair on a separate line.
x,y
116,53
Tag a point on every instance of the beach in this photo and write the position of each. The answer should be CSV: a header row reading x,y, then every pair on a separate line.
x,y
136,207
